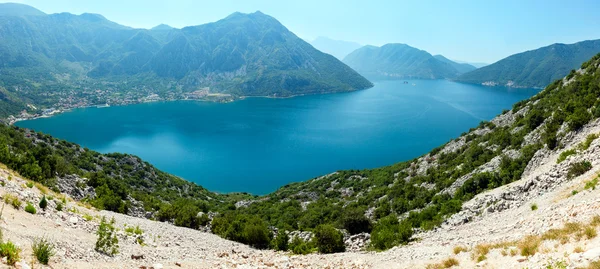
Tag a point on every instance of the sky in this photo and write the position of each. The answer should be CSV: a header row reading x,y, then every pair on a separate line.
x,y
467,30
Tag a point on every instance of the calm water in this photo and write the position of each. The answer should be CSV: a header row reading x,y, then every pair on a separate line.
x,y
258,144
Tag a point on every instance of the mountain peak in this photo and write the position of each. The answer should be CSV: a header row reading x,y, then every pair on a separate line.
x,y
16,9
162,26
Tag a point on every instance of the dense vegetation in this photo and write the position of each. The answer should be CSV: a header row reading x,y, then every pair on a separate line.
x,y
400,61
535,68
243,54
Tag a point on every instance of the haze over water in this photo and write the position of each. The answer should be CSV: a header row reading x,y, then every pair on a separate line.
x,y
258,145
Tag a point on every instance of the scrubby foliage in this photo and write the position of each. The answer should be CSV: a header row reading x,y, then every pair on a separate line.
x,y
42,250
107,242
43,203
280,242
328,239
29,208
10,251
247,229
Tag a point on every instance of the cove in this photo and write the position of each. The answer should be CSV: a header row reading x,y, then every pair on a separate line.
x,y
257,145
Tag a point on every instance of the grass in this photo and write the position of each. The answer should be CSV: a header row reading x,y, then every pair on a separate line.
x,y
42,250
529,245
459,249
578,249
12,200
134,230
29,185
594,265
447,263
588,141
88,217
591,184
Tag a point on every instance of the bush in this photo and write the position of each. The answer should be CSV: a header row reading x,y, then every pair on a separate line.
x,y
247,229
29,208
281,241
534,207
107,242
578,168
42,250
43,203
563,155
10,251
328,239
59,206
299,246
355,222
389,232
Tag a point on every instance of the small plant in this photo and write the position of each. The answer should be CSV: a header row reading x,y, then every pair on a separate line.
x,y
87,217
29,185
588,141
563,155
534,207
574,192
459,249
29,208
43,203
591,184
450,262
59,206
9,250
107,242
578,249
42,250
12,200
590,232
529,245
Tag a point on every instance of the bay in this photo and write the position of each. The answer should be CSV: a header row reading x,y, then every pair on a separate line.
x,y
257,145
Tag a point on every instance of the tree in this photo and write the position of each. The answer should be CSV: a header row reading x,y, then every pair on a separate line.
x,y
328,239
107,242
43,203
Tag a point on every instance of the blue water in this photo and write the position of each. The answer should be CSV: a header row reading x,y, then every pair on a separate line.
x,y
258,144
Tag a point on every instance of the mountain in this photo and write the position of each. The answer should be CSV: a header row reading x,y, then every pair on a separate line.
x,y
534,68
337,48
242,55
400,61
476,65
162,27
460,67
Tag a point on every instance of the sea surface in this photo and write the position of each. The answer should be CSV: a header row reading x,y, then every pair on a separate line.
x,y
257,145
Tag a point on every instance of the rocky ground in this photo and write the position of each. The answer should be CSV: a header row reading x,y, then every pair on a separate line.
x,y
500,219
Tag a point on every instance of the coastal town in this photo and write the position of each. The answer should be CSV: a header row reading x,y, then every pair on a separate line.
x,y
67,100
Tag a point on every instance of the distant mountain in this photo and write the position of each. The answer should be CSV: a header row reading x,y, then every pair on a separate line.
x,y
243,55
337,48
534,68
477,65
162,27
460,67
400,61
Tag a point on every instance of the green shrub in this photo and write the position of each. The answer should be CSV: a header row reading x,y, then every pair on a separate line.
x,y
388,232
29,184
591,184
10,251
107,242
355,222
578,168
59,206
328,239
534,207
280,242
43,203
299,246
563,155
29,208
588,141
42,250
247,229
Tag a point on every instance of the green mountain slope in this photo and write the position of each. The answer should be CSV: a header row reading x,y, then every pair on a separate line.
x,y
400,61
535,68
243,55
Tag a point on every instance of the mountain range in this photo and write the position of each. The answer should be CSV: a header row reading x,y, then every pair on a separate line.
x,y
337,48
242,54
401,61
534,68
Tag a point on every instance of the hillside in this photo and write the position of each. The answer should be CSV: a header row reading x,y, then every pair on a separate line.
x,y
400,61
534,68
337,48
49,58
518,191
460,67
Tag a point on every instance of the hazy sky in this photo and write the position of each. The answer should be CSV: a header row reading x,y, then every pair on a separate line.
x,y
469,30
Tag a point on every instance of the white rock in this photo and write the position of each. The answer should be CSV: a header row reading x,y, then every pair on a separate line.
x,y
592,254
73,220
157,266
